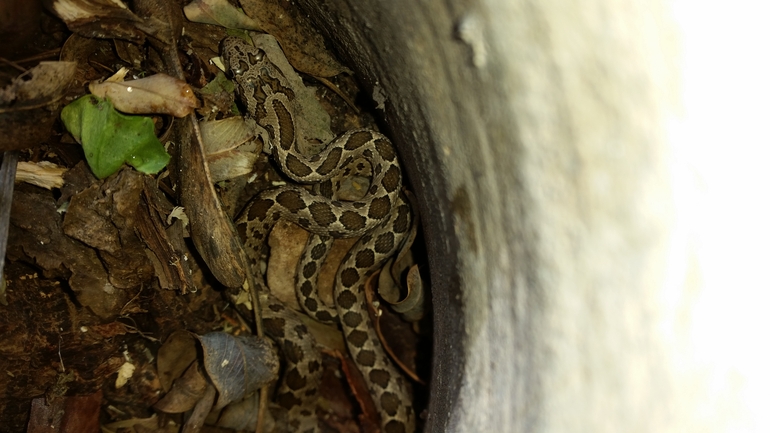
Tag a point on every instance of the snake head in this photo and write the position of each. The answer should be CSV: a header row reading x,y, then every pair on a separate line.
x,y
239,56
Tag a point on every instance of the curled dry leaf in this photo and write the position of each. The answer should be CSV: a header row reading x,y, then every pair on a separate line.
x,y
174,357
220,13
241,415
230,146
236,366
395,334
185,392
411,305
159,93
287,242
102,19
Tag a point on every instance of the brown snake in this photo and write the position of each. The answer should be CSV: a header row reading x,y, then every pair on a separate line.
x,y
382,219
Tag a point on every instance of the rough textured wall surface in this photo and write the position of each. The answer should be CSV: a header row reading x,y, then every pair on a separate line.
x,y
532,136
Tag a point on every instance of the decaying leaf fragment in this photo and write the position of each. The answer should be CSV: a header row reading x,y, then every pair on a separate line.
x,y
235,366
220,13
41,85
394,333
159,93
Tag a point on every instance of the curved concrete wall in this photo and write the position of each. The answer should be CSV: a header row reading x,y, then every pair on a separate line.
x,y
538,139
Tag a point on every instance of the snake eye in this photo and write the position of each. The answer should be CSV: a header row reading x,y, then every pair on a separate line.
x,y
256,56
238,68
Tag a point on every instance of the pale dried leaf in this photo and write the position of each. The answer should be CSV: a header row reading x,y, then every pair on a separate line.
x,y
412,303
226,166
159,93
286,241
118,77
227,134
106,19
230,146
220,13
78,10
178,213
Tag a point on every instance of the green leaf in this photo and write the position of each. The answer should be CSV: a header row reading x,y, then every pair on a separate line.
x,y
110,138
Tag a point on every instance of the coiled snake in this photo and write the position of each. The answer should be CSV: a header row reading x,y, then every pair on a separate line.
x,y
382,219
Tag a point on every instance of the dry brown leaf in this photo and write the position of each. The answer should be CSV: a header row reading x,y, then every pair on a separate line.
x,y
159,93
241,416
303,45
395,334
287,241
237,366
230,146
102,19
220,13
185,391
174,357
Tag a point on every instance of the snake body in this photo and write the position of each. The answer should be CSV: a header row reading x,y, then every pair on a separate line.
x,y
297,392
382,219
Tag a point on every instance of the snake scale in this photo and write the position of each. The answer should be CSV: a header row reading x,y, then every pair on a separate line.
x,y
382,219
